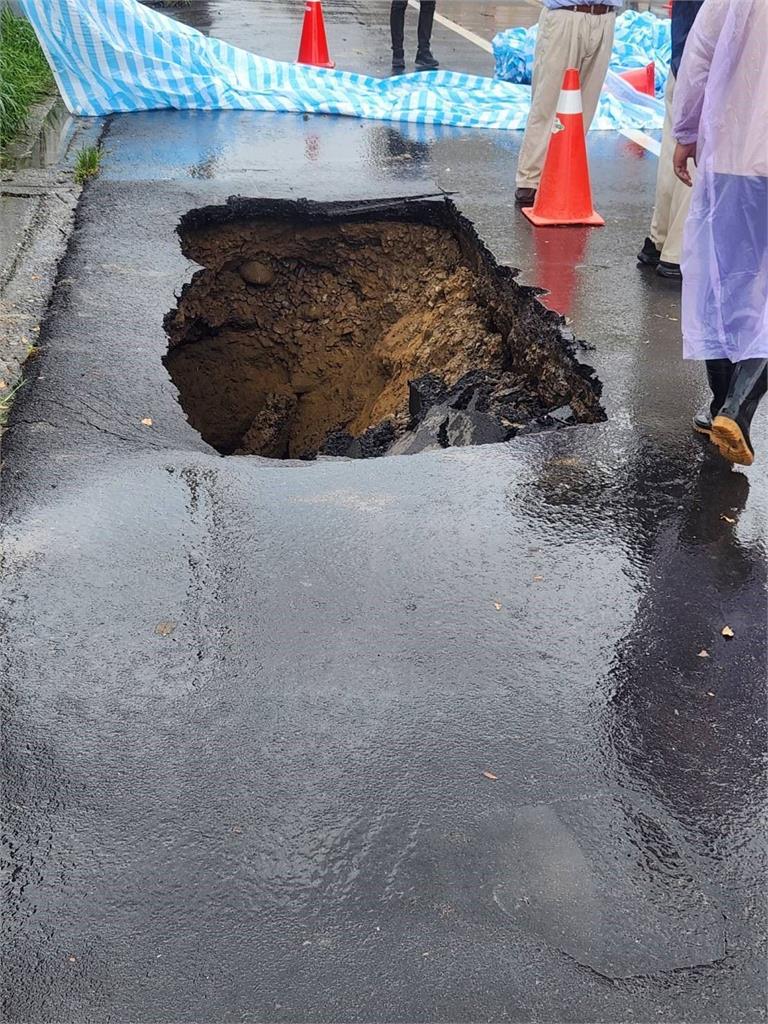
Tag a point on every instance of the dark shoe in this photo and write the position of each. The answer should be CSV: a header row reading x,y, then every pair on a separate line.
x,y
398,63
525,196
425,61
730,428
669,270
649,254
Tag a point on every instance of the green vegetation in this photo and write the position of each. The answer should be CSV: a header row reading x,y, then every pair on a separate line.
x,y
24,73
6,401
88,163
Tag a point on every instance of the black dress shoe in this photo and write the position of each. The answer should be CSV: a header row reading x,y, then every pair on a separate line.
x,y
649,254
525,196
398,63
669,270
425,61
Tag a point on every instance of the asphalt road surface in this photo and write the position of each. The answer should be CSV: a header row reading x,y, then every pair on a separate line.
x,y
249,706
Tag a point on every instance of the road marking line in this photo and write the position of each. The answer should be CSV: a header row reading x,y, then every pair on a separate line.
x,y
652,145
458,29
634,134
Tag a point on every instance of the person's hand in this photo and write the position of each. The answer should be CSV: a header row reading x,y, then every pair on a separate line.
x,y
683,153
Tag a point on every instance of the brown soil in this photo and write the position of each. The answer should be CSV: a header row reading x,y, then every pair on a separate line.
x,y
293,331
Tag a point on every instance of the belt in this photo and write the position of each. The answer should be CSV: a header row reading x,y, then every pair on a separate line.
x,y
589,8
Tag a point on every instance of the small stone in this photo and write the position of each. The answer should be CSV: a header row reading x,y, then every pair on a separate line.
x,y
253,272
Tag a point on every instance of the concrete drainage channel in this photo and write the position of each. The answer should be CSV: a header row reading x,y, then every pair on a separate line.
x,y
362,329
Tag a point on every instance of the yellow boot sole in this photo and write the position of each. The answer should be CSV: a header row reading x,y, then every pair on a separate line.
x,y
727,435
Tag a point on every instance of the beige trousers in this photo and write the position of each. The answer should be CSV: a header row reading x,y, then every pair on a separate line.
x,y
565,40
673,198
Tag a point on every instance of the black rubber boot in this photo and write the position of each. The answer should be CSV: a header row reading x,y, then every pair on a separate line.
x,y
424,59
397,29
730,427
719,373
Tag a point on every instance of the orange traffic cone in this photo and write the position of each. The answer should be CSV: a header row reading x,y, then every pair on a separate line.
x,y
642,79
564,195
313,48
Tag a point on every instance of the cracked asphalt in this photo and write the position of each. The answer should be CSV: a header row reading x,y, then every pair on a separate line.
x,y
428,738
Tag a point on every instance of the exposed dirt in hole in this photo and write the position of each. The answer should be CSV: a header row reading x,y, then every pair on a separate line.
x,y
309,321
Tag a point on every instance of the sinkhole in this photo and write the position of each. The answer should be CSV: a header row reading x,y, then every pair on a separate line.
x,y
361,329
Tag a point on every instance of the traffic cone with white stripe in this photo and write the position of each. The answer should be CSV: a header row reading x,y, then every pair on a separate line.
x,y
313,48
564,195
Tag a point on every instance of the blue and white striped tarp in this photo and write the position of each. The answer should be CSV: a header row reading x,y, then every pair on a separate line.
x,y
117,55
638,39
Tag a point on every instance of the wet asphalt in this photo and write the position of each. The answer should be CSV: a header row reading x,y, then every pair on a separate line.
x,y
248,706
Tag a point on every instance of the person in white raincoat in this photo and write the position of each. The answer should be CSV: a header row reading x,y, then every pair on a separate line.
x,y
721,119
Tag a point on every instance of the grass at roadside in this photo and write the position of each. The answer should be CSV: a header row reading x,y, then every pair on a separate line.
x,y
25,76
87,163
6,401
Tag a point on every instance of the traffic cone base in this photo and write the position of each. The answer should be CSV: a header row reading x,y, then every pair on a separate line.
x,y
594,219
313,48
564,195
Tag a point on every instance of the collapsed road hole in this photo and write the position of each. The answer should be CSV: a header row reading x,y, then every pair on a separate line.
x,y
362,329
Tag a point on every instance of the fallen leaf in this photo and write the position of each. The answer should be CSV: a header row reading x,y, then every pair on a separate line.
x,y
165,628
703,653
727,632
146,422
727,519
491,776
497,606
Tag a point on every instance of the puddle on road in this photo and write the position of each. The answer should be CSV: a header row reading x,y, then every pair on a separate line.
x,y
47,147
362,329
607,885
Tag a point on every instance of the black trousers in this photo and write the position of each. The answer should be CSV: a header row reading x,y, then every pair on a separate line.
x,y
397,25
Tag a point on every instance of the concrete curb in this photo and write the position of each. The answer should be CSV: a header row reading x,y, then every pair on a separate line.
x,y
37,215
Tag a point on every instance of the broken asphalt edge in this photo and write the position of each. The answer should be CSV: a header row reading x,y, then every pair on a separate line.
x,y
514,302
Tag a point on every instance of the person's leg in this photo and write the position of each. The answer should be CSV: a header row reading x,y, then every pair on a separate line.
x,y
739,225
558,47
424,59
730,428
595,57
719,373
397,30
672,208
665,180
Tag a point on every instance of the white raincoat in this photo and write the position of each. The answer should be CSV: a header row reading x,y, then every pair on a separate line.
x,y
721,103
